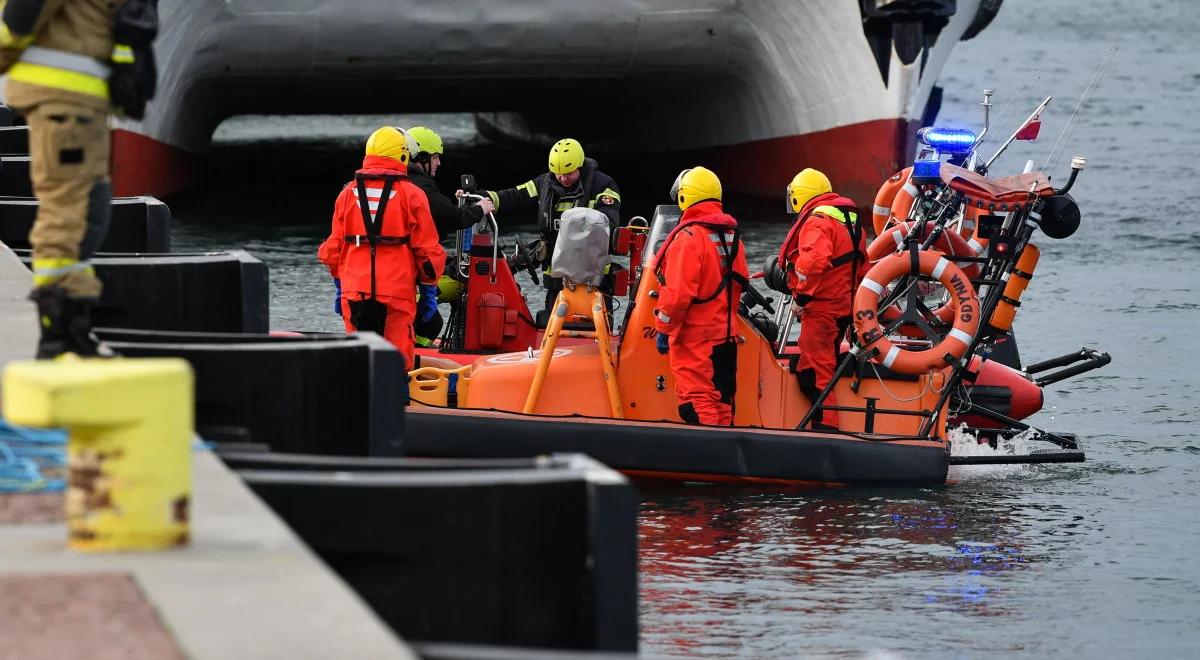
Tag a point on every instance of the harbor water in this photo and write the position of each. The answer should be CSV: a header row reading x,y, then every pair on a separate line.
x,y
1089,560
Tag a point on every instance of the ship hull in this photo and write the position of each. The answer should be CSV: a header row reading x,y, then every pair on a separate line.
x,y
757,89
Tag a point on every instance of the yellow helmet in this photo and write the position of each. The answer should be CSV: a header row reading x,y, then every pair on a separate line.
x,y
566,156
390,142
427,142
693,185
807,184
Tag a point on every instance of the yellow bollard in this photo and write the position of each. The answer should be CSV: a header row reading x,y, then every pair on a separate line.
x,y
129,448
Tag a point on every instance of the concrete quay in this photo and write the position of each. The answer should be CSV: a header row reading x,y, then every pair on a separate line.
x,y
18,324
245,587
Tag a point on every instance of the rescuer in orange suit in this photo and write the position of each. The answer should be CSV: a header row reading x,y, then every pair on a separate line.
x,y
701,271
382,244
824,257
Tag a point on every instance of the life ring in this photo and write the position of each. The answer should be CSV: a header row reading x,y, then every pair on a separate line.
x,y
962,303
903,201
948,242
881,213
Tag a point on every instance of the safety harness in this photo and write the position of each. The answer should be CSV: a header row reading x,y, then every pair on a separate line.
x,y
370,314
856,254
849,212
727,240
729,248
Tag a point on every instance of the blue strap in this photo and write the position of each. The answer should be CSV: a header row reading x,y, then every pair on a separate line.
x,y
28,455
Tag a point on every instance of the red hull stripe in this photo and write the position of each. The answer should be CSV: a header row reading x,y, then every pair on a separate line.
x,y
857,159
144,166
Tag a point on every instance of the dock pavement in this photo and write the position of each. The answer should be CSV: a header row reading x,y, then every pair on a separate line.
x,y
18,327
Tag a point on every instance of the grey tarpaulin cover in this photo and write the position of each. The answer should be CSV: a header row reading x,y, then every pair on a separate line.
x,y
581,251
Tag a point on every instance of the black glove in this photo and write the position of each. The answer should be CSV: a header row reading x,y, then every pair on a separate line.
x,y
132,81
133,78
802,299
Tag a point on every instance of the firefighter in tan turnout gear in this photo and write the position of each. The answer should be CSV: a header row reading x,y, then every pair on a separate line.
x,y
66,71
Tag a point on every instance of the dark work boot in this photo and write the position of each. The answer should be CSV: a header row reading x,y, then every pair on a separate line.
x,y
65,323
79,327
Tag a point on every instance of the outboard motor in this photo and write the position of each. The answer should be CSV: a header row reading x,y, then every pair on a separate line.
x,y
581,251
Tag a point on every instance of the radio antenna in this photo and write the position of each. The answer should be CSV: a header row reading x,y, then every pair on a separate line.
x,y
1036,112
1007,109
1064,137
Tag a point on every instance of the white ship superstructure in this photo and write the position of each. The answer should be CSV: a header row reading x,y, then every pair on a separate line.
x,y
759,88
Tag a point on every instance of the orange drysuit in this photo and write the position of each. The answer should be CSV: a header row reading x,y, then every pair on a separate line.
x,y
406,250
701,269
820,256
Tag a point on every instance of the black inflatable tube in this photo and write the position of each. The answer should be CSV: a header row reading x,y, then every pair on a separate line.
x,y
267,460
666,448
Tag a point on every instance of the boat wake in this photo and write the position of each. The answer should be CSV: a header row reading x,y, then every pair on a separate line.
x,y
966,443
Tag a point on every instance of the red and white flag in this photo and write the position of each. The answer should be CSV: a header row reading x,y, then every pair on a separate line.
x,y
1031,128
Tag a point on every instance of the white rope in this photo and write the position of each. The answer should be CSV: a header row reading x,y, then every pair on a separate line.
x,y
924,390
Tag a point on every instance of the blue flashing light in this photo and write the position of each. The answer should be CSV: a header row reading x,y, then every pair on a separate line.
x,y
947,140
926,170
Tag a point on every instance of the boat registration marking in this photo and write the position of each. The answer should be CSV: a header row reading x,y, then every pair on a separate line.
x,y
524,357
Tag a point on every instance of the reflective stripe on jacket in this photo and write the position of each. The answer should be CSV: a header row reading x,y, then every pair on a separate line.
x,y
58,52
595,190
691,267
61,70
410,251
819,255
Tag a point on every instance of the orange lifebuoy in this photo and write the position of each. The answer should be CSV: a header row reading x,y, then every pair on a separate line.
x,y
948,242
903,201
962,303
881,213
